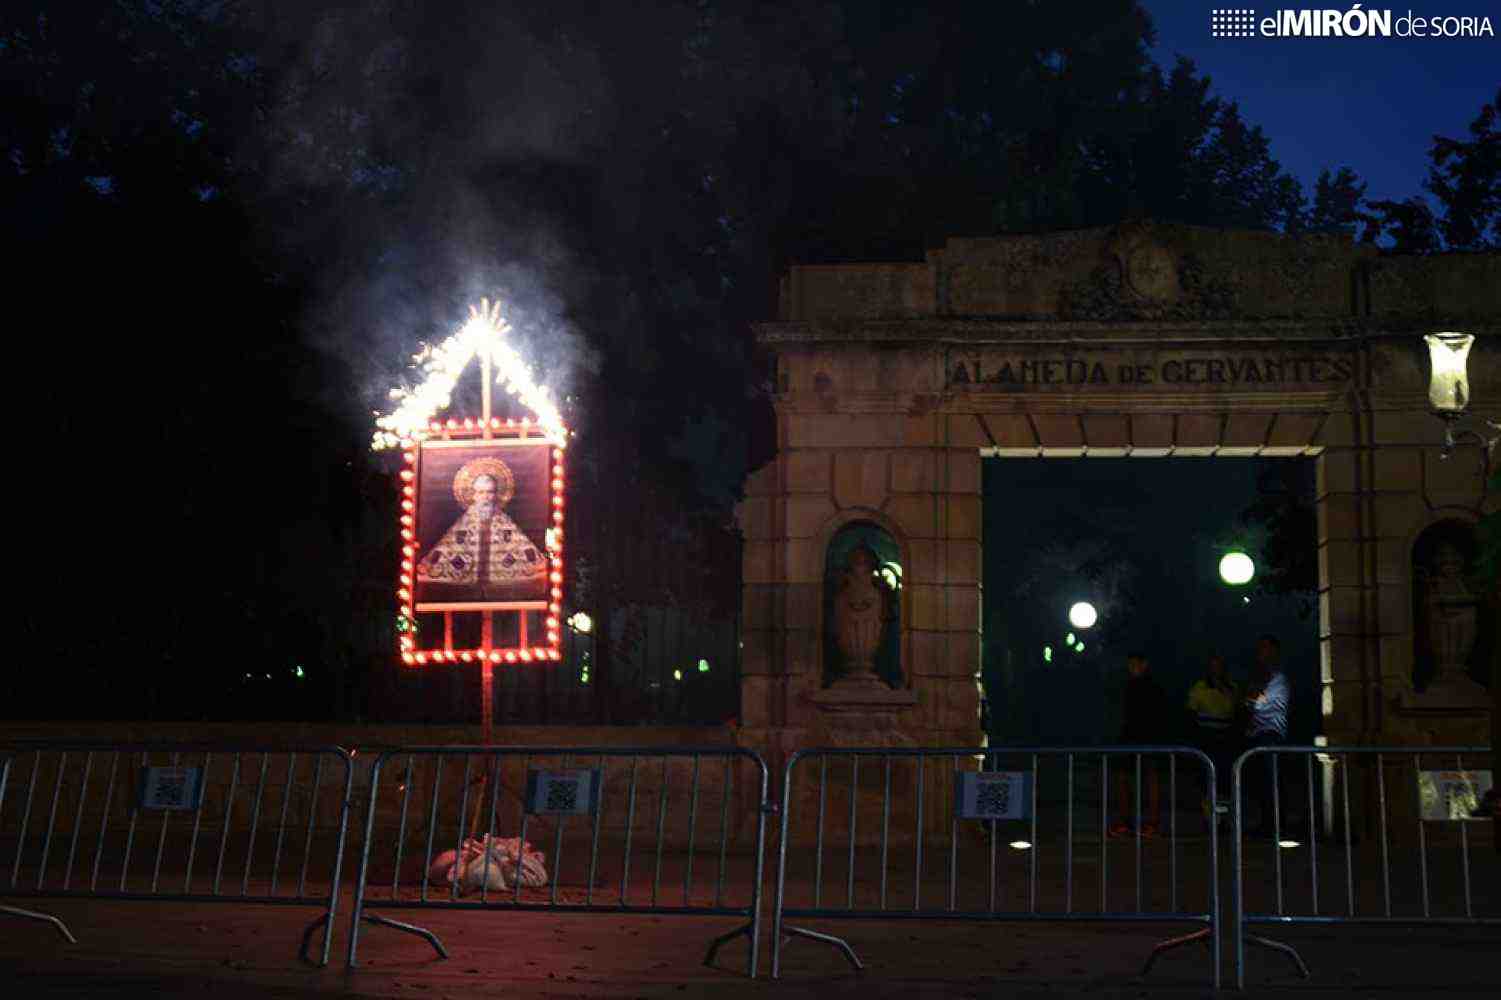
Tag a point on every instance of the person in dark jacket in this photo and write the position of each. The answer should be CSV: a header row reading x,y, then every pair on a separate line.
x,y
1145,719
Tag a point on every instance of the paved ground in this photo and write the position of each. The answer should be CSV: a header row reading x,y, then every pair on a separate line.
x,y
232,952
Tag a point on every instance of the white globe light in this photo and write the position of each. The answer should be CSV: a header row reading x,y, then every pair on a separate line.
x,y
1236,568
1082,615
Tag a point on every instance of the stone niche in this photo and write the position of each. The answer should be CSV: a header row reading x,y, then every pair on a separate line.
x,y
862,566
1454,633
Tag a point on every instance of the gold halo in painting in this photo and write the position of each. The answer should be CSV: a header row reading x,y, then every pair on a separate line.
x,y
463,483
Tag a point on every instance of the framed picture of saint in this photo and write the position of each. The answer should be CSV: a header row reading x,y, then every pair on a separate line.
x,y
482,513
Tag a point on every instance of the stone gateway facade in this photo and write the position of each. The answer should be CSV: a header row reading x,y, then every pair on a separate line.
x,y
1144,340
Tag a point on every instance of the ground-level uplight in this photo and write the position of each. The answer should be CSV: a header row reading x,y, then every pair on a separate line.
x,y
1082,615
1289,844
1236,568
1021,845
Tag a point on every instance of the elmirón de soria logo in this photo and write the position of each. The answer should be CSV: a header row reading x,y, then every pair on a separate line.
x,y
1353,22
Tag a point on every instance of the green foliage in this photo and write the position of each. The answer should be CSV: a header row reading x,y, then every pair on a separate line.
x,y
1465,177
1339,207
1280,531
1410,225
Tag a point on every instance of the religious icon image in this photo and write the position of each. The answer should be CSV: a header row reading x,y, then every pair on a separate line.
x,y
481,524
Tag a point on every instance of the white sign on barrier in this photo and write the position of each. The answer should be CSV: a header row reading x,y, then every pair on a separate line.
x,y
170,788
1449,795
562,793
992,794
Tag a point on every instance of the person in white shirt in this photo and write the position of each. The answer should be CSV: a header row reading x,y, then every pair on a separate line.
x,y
1268,698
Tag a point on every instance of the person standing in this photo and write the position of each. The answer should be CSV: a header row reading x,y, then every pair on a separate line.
x,y
1145,720
1212,703
1266,704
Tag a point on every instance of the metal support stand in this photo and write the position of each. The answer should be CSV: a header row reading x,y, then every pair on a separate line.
x,y
1286,949
45,918
1203,934
830,939
745,930
325,921
422,932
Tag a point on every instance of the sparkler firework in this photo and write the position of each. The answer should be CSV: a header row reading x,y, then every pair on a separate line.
x,y
440,366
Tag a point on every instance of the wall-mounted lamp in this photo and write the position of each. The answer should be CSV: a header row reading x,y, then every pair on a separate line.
x,y
1449,392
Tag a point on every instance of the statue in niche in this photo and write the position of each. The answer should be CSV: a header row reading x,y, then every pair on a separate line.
x,y
861,613
1453,616
1448,620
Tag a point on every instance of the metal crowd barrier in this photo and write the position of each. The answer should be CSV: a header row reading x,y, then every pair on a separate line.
x,y
617,800
174,822
1355,849
1035,800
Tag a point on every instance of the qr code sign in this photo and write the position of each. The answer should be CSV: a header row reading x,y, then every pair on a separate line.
x,y
562,793
991,795
171,787
993,798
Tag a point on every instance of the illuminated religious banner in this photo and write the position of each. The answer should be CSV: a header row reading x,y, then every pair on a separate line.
x,y
481,509
1240,370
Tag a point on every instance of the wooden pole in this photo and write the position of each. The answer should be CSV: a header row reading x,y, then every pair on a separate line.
x,y
487,673
487,630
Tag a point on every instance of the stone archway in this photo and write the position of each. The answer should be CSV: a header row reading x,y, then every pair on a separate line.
x,y
1141,341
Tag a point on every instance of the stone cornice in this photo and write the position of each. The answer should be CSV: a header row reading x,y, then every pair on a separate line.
x,y
928,331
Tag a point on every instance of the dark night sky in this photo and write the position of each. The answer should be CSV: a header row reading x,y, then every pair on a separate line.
x,y
1373,104
331,183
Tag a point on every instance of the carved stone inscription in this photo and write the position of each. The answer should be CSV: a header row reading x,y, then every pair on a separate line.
x,y
1241,370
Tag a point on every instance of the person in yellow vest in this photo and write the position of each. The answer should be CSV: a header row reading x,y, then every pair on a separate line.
x,y
1212,702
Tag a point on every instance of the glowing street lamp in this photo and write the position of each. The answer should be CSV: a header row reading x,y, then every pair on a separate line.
x,y
1236,568
1449,390
1448,384
1082,615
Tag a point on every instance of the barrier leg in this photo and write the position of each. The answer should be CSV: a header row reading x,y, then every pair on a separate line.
x,y
1286,949
422,932
1202,935
46,918
324,920
723,939
837,942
